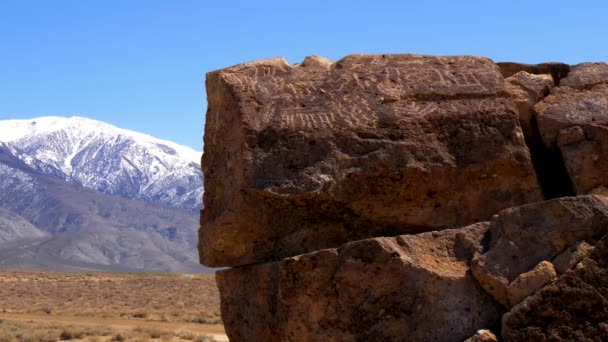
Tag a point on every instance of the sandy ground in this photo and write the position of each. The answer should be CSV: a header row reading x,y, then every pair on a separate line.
x,y
217,331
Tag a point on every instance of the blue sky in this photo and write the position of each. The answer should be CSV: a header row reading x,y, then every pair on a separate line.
x,y
141,65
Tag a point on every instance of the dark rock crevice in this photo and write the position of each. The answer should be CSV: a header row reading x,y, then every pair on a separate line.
x,y
549,165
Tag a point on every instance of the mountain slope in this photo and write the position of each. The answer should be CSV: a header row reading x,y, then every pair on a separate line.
x,y
109,159
14,228
77,228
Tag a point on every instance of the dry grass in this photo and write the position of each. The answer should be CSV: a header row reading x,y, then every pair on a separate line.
x,y
41,332
143,296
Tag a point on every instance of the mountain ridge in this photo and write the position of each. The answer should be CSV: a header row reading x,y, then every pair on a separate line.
x,y
73,227
109,159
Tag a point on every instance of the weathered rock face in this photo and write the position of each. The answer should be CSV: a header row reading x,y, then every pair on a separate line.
x,y
483,336
527,90
522,238
301,158
339,160
572,309
574,118
411,287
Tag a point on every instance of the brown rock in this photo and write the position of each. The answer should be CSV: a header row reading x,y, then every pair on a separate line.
x,y
586,75
568,107
529,282
572,256
248,304
585,154
526,90
483,336
411,287
574,308
522,237
301,158
556,70
576,122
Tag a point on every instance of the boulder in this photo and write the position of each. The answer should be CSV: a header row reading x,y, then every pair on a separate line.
x,y
571,256
483,336
568,107
304,157
412,287
574,119
586,75
585,154
522,237
529,282
574,308
527,90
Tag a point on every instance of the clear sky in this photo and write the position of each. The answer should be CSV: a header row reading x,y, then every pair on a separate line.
x,y
141,65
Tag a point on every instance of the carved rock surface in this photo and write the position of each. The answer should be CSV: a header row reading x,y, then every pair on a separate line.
x,y
522,237
574,308
410,287
304,157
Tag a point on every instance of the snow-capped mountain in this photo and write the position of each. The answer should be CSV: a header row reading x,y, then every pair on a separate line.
x,y
48,223
108,159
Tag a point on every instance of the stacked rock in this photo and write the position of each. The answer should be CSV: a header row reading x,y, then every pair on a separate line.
x,y
395,197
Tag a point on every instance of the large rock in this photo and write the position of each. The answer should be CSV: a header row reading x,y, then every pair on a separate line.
x,y
522,238
482,336
304,157
568,107
527,90
574,119
411,287
586,75
574,308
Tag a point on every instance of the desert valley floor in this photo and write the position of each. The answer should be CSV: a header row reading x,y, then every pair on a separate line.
x,y
50,306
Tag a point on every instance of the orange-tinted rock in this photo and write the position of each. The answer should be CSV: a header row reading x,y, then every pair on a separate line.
x,y
527,90
576,122
520,238
574,308
301,158
482,336
410,287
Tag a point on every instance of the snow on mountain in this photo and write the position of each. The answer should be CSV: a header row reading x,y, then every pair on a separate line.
x,y
108,159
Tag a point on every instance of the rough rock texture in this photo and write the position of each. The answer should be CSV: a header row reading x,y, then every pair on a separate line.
x,y
522,237
410,287
482,336
304,157
339,160
574,118
586,75
574,308
571,256
529,282
527,90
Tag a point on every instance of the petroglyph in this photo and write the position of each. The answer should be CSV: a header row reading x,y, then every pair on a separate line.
x,y
381,143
